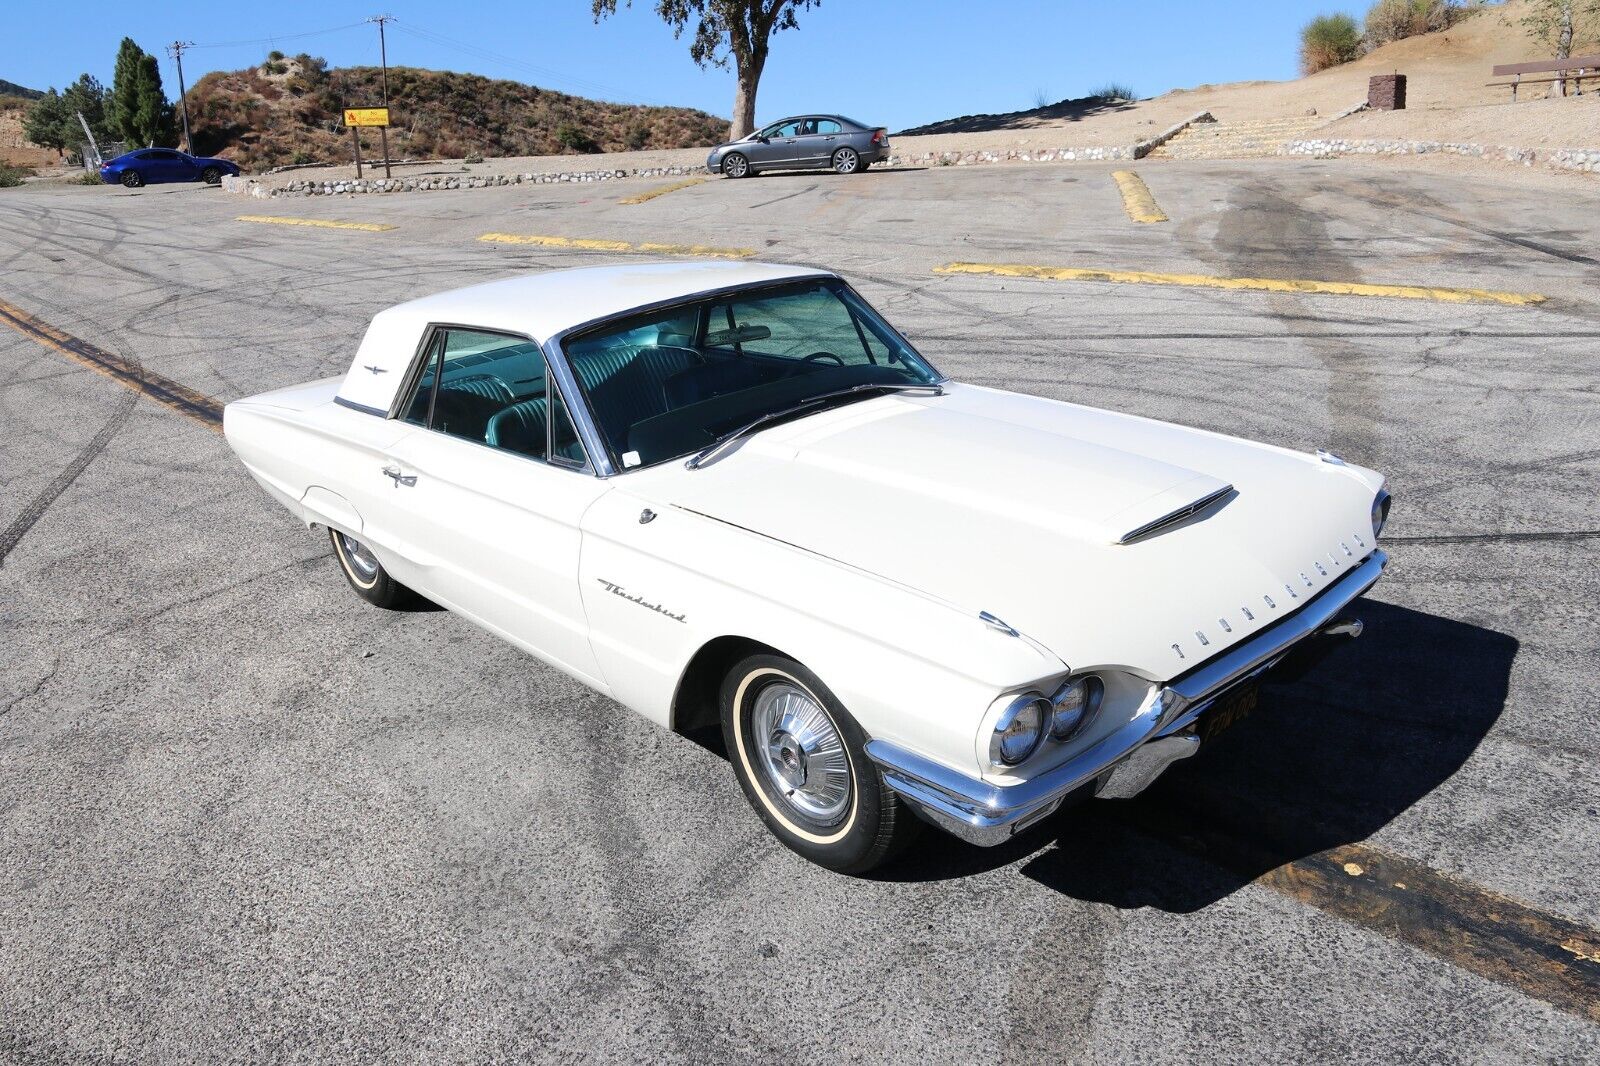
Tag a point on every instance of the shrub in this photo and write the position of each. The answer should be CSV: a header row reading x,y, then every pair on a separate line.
x,y
1394,20
275,67
1327,41
11,176
87,179
638,136
473,157
275,56
575,140
1112,92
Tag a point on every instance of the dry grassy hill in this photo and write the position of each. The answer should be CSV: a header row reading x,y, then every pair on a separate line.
x,y
291,111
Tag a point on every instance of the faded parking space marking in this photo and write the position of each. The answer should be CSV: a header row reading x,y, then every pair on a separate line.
x,y
1136,198
590,244
661,190
1204,281
181,398
319,223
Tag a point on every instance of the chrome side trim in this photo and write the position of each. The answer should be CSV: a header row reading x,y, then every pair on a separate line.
x,y
984,813
363,408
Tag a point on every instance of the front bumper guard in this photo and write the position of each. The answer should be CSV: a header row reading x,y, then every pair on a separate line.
x,y
983,813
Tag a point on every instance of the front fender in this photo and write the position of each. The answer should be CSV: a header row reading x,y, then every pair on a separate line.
x,y
911,669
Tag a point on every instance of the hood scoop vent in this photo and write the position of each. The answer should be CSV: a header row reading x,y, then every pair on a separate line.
x,y
1179,516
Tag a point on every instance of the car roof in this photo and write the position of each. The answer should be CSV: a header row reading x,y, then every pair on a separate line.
x,y
816,114
539,306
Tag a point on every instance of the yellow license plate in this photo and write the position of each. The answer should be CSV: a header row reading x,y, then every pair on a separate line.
x,y
1228,712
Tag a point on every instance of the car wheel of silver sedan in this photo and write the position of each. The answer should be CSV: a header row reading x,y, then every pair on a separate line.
x,y
846,161
366,574
801,760
735,166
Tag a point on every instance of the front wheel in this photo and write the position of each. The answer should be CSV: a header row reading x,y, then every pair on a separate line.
x,y
367,575
846,161
132,180
211,175
735,166
801,760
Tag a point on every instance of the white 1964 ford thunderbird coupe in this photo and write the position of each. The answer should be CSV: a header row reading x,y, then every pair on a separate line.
x,y
733,492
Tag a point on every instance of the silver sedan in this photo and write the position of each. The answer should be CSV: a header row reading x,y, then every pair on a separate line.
x,y
804,143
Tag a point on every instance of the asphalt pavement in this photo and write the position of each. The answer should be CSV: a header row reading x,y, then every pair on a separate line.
x,y
245,817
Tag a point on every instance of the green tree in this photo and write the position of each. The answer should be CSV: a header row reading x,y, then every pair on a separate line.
x,y
139,109
737,30
1327,41
89,97
45,124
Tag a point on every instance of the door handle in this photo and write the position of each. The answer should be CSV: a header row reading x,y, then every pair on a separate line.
x,y
399,479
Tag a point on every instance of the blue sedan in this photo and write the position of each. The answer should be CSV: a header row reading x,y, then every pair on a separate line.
x,y
148,166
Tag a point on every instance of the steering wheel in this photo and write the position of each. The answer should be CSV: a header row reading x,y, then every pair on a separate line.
x,y
818,357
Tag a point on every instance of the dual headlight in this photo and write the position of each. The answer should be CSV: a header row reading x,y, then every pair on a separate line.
x,y
1025,722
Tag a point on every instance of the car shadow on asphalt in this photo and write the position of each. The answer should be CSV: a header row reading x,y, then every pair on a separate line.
x,y
1324,761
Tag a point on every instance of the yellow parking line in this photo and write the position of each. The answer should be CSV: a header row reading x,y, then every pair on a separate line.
x,y
1136,198
661,190
590,244
1328,288
320,223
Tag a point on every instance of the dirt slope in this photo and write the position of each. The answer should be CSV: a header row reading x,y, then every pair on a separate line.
x,y
1445,72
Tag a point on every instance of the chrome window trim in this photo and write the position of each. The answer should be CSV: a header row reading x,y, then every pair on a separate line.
x,y
588,429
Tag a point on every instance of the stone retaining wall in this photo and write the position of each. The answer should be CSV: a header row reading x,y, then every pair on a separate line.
x,y
429,182
1584,159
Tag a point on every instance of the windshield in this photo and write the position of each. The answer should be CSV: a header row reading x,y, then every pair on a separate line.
x,y
670,382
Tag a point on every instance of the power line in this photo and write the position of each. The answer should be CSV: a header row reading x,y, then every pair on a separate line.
x,y
280,37
495,57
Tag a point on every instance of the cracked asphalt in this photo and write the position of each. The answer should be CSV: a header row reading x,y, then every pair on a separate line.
x,y
245,817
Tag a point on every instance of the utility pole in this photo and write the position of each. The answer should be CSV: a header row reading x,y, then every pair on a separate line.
x,y
383,57
175,50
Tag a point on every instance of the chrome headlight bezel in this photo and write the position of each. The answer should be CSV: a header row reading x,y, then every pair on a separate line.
x,y
1380,512
1074,706
1017,713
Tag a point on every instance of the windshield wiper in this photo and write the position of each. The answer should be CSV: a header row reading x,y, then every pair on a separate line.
x,y
716,447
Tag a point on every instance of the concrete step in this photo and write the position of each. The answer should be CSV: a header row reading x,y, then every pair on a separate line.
x,y
1236,140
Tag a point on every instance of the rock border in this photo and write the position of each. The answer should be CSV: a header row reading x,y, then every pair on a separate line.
x,y
1586,160
426,183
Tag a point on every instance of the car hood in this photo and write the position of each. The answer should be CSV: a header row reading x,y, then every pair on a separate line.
x,y
1023,507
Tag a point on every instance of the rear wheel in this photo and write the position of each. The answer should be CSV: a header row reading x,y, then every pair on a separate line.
x,y
131,179
801,760
367,575
211,175
735,166
846,161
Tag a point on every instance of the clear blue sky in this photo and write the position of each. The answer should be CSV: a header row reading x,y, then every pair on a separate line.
x,y
891,62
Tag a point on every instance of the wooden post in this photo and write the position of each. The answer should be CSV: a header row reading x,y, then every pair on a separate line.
x,y
355,135
383,133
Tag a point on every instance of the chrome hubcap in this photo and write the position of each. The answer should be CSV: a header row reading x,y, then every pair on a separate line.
x,y
846,162
360,556
736,166
802,753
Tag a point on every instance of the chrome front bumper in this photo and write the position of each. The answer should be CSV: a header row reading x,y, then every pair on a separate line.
x,y
1126,761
